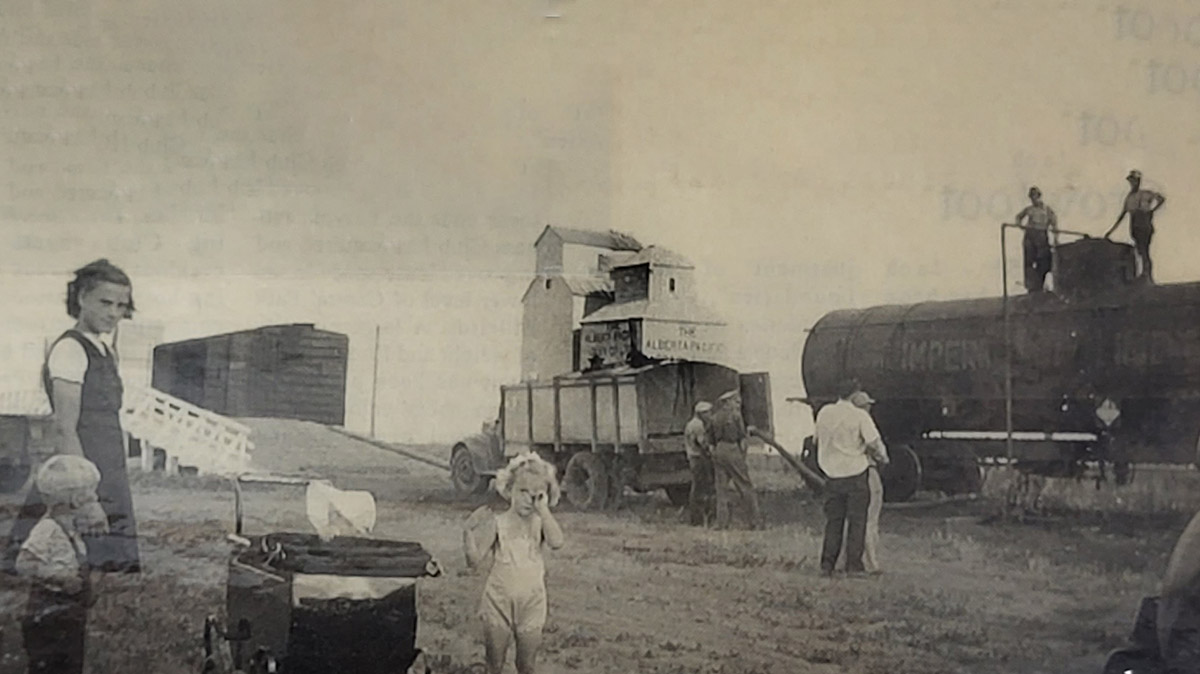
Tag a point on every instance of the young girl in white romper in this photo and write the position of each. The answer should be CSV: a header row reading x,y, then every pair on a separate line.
x,y
514,595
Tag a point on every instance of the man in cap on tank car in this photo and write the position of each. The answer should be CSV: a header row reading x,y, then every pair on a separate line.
x,y
1039,251
1140,204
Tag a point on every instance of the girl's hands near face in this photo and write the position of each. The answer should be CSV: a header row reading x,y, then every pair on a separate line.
x,y
91,520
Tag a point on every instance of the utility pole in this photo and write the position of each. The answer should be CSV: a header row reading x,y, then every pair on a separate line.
x,y
374,381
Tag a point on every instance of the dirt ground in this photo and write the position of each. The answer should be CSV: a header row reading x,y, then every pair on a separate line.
x,y
635,591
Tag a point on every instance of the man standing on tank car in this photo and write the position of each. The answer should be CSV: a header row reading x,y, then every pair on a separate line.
x,y
1140,204
1039,251
846,438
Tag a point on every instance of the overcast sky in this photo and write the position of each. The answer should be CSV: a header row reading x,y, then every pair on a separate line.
x,y
391,163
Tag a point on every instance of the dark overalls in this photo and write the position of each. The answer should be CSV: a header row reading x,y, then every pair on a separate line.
x,y
54,627
103,443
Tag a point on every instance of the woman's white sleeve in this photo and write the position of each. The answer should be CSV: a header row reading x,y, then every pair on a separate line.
x,y
68,361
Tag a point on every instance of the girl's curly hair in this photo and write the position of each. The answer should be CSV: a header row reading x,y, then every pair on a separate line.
x,y
528,462
92,275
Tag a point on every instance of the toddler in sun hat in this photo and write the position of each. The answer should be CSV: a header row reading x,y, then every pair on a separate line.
x,y
54,559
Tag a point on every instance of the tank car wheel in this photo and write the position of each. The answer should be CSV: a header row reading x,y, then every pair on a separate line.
x,y
585,482
679,494
902,477
966,477
463,475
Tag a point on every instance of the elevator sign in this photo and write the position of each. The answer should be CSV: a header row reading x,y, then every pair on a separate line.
x,y
610,343
684,341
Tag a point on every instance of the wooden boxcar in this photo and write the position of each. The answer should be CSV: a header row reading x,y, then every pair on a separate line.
x,y
281,371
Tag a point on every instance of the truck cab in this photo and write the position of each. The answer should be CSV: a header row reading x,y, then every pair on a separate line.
x,y
474,460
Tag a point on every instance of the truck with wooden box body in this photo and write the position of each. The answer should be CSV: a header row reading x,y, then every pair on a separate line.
x,y
607,429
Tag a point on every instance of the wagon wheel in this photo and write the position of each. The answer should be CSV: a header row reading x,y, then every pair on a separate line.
x,y
218,656
586,481
462,473
902,476
210,646
679,494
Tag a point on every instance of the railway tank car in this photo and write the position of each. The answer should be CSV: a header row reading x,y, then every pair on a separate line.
x,y
1106,368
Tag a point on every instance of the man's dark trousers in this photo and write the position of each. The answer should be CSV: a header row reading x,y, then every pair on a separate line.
x,y
846,501
1038,258
702,501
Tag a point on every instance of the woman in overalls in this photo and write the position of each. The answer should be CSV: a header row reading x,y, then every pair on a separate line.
x,y
81,380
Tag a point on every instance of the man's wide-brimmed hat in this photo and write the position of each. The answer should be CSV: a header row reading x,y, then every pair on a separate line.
x,y
1134,175
702,407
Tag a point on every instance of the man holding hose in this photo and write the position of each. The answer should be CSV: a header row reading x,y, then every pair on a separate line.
x,y
846,439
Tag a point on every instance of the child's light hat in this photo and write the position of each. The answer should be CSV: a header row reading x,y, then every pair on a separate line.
x,y
64,473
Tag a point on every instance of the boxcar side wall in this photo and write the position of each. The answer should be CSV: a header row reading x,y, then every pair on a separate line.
x,y
290,372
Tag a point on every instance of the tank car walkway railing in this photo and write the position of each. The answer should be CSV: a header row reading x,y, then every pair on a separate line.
x,y
1008,402
189,435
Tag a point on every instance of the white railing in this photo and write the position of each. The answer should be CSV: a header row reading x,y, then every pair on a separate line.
x,y
24,403
190,435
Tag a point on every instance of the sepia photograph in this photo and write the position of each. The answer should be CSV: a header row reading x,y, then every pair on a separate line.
x,y
599,337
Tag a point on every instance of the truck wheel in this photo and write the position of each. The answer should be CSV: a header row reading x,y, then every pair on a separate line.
x,y
902,477
679,494
585,482
462,473
971,477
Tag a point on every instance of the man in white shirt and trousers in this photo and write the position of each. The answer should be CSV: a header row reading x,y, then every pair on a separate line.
x,y
847,441
871,550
